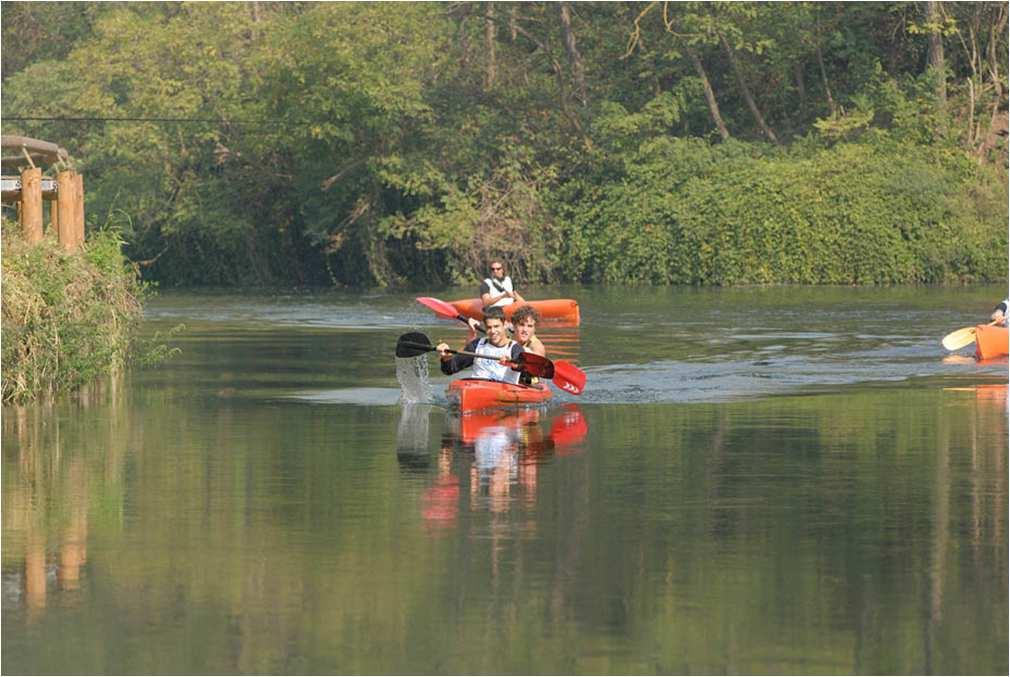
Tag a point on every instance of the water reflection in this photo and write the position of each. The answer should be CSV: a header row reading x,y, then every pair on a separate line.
x,y
47,498
498,452
563,341
856,532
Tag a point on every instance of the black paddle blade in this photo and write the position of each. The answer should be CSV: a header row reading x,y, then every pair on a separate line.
x,y
537,366
413,344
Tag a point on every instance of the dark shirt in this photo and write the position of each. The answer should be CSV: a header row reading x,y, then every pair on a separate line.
x,y
458,363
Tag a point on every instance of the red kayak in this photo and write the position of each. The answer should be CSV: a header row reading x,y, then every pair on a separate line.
x,y
555,310
990,341
476,394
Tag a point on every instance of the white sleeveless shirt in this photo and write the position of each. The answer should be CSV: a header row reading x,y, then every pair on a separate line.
x,y
505,284
491,368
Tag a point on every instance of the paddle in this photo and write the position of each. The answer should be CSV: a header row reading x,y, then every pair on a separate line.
x,y
568,377
444,310
960,338
413,344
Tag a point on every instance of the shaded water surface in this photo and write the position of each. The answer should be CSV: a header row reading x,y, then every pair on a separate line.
x,y
785,480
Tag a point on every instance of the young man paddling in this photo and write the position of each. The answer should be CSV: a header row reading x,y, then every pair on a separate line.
x,y
525,322
497,290
504,352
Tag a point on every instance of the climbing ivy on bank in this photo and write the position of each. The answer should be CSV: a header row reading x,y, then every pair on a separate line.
x,y
851,214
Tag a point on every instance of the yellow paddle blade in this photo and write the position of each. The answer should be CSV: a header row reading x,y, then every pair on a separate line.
x,y
959,339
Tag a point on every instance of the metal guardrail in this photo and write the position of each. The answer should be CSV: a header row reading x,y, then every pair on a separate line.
x,y
11,187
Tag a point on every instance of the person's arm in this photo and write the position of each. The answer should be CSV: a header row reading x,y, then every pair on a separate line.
x,y
475,326
455,363
999,312
536,347
487,297
517,353
516,296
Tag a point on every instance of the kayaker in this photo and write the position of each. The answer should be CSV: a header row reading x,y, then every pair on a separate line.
x,y
999,313
496,344
497,290
525,321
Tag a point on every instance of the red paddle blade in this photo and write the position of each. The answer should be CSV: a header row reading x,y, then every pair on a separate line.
x,y
440,308
568,377
537,366
569,428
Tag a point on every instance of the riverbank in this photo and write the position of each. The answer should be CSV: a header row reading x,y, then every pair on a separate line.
x,y
67,318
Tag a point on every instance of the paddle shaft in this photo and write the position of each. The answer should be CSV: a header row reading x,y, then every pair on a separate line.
x,y
430,348
446,310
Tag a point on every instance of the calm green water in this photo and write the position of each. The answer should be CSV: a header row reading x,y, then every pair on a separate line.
x,y
784,480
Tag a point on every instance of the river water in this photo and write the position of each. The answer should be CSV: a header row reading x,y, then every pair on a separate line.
x,y
782,480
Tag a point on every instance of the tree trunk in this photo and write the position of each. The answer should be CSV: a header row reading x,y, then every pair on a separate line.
x,y
713,105
574,58
254,31
489,46
801,85
824,79
745,90
463,36
935,18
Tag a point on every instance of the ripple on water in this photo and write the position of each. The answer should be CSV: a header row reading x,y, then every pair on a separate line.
x,y
675,381
361,396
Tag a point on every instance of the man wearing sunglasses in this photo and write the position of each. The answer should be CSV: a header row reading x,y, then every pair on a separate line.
x,y
497,290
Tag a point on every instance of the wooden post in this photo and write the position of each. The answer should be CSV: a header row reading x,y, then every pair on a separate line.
x,y
31,204
35,571
66,192
54,218
79,207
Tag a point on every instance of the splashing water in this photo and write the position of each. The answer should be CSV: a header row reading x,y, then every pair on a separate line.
x,y
412,375
412,434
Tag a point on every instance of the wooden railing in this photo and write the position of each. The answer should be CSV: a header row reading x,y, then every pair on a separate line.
x,y
30,191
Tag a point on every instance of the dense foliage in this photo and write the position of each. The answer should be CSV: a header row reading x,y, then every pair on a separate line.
x,y
67,318
387,143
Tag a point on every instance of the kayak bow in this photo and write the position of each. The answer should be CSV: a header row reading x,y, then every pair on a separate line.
x,y
476,394
990,341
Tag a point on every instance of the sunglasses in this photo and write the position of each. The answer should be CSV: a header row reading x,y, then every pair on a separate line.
x,y
496,268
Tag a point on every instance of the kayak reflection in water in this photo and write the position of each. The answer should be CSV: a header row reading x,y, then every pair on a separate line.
x,y
498,455
497,344
509,451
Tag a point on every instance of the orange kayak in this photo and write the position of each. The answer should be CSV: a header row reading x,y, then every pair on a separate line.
x,y
990,341
563,310
476,394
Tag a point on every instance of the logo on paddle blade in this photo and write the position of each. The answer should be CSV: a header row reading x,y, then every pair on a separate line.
x,y
570,388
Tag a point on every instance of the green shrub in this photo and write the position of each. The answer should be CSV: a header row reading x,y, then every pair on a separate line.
x,y
876,212
67,318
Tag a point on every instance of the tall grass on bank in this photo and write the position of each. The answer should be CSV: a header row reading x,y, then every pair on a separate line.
x,y
67,318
